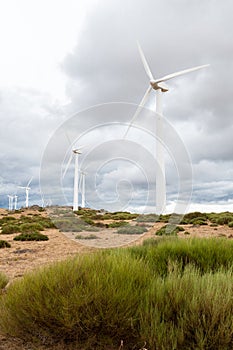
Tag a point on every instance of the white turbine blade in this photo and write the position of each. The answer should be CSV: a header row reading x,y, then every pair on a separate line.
x,y
142,103
68,138
145,64
173,75
67,165
29,181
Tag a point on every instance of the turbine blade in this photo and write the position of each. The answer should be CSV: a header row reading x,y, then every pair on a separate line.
x,y
67,165
142,103
29,181
173,75
68,138
145,64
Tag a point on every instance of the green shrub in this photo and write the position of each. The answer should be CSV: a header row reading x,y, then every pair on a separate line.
x,y
92,300
31,236
148,218
29,227
224,219
4,244
132,230
230,224
86,237
3,280
188,311
118,224
205,254
164,218
88,221
167,230
10,228
95,300
119,216
7,220
198,221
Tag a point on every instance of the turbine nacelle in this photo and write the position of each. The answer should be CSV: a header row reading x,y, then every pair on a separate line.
x,y
76,151
159,85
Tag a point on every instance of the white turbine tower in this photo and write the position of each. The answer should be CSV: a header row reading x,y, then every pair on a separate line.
x,y
83,187
160,87
15,198
10,205
75,152
27,188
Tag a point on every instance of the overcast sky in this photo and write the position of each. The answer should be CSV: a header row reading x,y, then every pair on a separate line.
x,y
59,58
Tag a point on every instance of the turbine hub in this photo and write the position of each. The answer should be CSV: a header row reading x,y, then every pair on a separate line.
x,y
158,85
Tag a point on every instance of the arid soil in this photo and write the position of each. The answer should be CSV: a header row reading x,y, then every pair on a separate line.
x,y
27,256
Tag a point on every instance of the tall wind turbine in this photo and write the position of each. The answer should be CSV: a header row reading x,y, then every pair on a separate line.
x,y
160,87
27,188
10,205
75,152
83,187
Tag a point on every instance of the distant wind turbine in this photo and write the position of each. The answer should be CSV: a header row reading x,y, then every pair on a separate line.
x,y
10,205
15,198
75,152
159,86
27,188
83,187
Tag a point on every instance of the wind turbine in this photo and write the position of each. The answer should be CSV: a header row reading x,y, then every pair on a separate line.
x,y
27,188
75,152
15,206
10,205
160,87
83,187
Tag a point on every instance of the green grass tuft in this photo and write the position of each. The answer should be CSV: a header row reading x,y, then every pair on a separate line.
x,y
3,280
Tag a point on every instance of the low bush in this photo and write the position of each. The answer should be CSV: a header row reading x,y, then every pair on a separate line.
x,y
93,299
119,216
148,218
207,255
230,224
29,227
3,280
4,244
167,230
10,228
118,224
132,230
198,221
188,311
224,219
86,237
31,236
7,220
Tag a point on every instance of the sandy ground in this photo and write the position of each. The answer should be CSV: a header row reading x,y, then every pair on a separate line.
x,y
27,256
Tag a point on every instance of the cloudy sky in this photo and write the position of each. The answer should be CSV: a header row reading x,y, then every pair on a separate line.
x,y
71,73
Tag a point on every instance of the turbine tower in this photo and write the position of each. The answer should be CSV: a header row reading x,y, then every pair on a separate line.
x,y
83,187
10,205
15,206
160,87
75,152
27,188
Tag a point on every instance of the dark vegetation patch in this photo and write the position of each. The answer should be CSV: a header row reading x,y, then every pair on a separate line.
x,y
31,236
4,244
